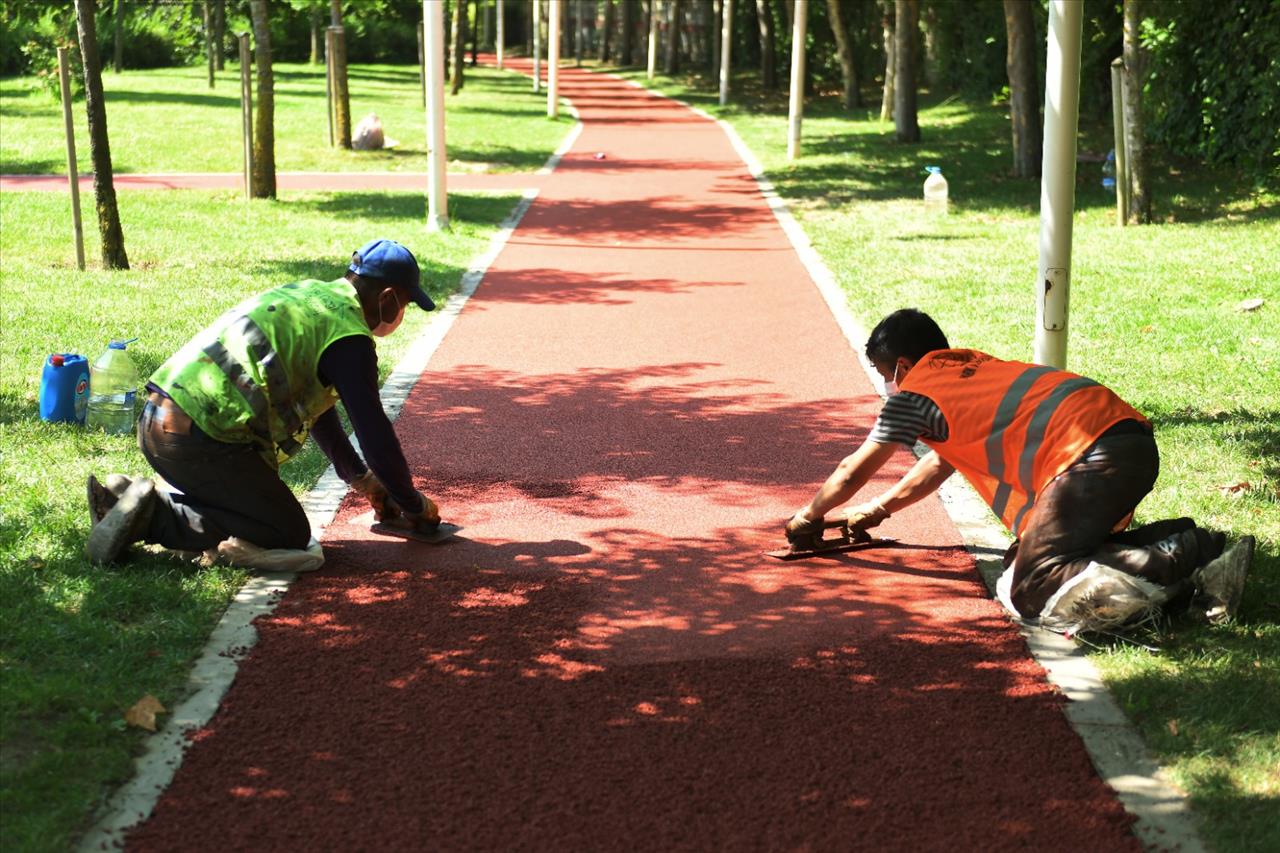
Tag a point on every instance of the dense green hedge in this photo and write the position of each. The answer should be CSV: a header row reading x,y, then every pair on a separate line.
x,y
1215,80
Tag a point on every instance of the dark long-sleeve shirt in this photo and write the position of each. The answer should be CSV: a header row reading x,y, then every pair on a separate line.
x,y
350,365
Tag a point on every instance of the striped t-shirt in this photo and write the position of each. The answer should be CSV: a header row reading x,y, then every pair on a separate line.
x,y
908,417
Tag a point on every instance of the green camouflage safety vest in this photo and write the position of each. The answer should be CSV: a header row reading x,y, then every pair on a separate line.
x,y
250,378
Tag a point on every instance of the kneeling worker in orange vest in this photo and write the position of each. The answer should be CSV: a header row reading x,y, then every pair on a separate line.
x,y
1060,459
242,397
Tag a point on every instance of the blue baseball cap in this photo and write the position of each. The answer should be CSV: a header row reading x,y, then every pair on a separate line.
x,y
387,260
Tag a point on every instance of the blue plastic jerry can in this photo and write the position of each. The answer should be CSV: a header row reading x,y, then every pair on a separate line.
x,y
64,388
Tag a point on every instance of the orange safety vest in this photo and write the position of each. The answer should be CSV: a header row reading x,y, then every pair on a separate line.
x,y
1013,426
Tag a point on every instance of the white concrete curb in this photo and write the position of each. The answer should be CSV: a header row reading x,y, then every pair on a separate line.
x,y
234,635
1165,821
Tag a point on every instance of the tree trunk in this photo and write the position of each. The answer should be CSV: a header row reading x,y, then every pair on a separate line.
x,y
1024,102
220,33
1134,135
607,19
768,45
577,32
263,179
100,147
117,53
315,36
341,92
459,44
904,75
844,47
626,38
474,32
672,62
888,23
104,190
717,18
207,19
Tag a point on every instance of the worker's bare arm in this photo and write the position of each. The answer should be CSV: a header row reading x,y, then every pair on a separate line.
x,y
850,475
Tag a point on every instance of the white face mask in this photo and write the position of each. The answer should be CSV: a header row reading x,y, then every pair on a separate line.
x,y
384,327
891,387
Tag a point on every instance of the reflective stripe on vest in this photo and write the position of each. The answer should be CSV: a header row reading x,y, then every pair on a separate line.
x,y
1013,427
277,383
251,377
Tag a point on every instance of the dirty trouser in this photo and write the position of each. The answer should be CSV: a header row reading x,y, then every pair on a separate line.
x,y
225,489
1072,522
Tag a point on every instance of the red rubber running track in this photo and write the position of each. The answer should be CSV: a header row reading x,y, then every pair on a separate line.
x,y
643,388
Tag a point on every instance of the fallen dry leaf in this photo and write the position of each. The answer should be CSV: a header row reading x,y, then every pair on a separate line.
x,y
1250,304
1172,726
143,713
1146,330
1234,490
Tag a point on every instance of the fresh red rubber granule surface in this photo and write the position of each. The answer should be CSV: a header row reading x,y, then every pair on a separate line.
x,y
644,387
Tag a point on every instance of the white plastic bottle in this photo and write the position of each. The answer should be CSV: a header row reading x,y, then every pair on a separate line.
x,y
935,190
113,390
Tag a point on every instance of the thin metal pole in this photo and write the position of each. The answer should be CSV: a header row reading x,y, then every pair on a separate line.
x,y
795,114
502,33
726,45
73,175
653,37
328,81
1117,122
537,46
1058,184
553,59
246,109
433,41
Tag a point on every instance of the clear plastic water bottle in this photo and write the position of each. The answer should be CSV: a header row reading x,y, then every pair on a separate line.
x,y
1109,171
113,390
935,190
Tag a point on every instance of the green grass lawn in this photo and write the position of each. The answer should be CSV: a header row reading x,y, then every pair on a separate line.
x,y
80,644
1153,315
168,120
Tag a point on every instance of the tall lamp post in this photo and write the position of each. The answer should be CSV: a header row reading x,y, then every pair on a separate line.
x,y
1058,181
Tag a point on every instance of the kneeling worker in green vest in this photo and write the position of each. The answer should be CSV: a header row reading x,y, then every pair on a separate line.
x,y
1063,462
242,396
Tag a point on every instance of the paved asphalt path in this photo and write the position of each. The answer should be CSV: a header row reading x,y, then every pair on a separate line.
x,y
645,385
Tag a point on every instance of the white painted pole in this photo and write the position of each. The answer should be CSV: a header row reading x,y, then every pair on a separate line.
x,y
537,46
653,37
502,33
799,28
726,45
437,192
73,174
553,59
1058,184
246,113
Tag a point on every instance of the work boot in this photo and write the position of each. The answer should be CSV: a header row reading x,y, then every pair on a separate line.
x,y
103,496
123,524
1220,584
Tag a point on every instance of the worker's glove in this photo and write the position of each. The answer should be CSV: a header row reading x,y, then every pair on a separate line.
x,y
371,488
425,521
866,516
801,528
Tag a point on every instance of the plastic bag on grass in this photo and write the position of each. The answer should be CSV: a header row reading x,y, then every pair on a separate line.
x,y
239,552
